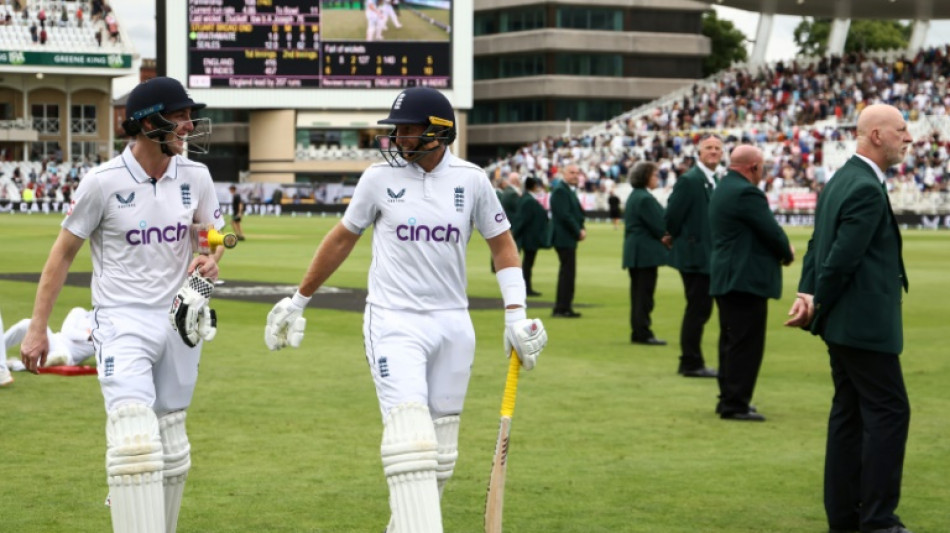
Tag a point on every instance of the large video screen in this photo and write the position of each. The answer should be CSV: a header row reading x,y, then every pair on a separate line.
x,y
328,44
305,53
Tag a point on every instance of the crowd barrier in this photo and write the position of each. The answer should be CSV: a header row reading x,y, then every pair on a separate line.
x,y
785,217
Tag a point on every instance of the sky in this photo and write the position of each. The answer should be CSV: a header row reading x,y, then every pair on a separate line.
x,y
138,18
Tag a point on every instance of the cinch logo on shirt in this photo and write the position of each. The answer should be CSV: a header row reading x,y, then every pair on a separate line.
x,y
421,232
147,235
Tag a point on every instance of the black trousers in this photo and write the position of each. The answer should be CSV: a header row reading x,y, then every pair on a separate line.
x,y
527,264
699,306
867,435
565,279
742,322
642,287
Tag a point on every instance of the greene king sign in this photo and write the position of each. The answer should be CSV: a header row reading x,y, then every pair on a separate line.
x,y
65,59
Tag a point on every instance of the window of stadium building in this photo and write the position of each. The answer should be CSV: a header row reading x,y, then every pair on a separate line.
x,y
510,20
84,151
521,111
45,150
664,22
520,65
82,119
589,64
45,118
589,18
589,110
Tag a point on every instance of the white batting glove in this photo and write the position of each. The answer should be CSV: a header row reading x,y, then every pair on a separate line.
x,y
189,307
208,324
285,323
526,336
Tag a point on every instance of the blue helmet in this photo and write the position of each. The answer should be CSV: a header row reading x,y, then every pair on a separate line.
x,y
424,106
156,97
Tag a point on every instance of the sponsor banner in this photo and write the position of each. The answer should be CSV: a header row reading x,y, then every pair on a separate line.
x,y
65,59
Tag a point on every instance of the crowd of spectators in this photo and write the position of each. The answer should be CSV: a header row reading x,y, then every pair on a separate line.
x,y
793,110
52,21
48,180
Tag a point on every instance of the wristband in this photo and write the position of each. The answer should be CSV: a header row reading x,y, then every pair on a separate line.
x,y
511,282
514,315
299,300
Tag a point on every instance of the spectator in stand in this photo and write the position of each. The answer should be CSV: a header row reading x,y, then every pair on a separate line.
x,y
79,15
34,33
99,37
41,16
43,36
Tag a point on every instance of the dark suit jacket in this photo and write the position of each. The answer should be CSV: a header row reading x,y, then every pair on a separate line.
x,y
853,266
509,202
643,229
687,220
530,228
567,217
748,245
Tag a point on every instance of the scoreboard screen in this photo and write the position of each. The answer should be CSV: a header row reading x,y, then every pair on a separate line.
x,y
318,44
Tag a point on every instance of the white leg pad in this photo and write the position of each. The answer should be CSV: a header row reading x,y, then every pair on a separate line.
x,y
177,455
447,435
410,459
134,468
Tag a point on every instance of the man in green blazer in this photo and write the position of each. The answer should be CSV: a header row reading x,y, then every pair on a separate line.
x,y
510,196
566,230
748,251
850,295
687,220
643,249
530,228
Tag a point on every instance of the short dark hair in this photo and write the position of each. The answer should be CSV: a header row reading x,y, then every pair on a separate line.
x,y
640,174
531,183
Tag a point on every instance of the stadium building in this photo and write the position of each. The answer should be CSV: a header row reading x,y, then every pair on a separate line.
x,y
57,64
543,68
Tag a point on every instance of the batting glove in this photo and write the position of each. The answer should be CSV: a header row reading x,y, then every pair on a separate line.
x,y
526,336
189,308
285,323
208,324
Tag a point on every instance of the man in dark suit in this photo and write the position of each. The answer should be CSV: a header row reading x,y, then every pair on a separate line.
x,y
530,229
748,249
510,195
687,220
643,249
850,295
567,229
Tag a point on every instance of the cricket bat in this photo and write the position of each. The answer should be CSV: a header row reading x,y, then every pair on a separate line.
x,y
496,483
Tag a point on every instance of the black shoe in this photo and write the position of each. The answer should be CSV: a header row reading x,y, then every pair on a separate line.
x,y
570,313
702,372
652,341
241,237
892,529
836,530
743,417
534,293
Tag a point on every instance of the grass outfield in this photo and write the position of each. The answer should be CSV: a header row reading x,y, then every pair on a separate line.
x,y
350,25
606,437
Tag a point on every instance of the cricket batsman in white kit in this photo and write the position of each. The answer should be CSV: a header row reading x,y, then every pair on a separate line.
x,y
138,212
420,343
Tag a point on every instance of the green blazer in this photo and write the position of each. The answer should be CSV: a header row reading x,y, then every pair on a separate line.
x,y
530,228
509,202
687,220
748,245
567,217
643,228
853,266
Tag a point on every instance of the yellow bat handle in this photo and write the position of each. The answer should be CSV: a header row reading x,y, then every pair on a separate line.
x,y
511,385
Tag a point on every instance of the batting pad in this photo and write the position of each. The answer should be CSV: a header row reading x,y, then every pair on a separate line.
x,y
134,469
177,457
410,460
447,435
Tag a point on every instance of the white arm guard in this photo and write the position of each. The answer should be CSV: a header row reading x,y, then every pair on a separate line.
x,y
285,323
526,336
189,308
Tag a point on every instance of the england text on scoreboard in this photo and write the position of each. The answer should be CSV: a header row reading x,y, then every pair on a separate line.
x,y
286,44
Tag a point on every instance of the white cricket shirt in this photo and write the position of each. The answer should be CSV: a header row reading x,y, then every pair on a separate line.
x,y
422,223
139,229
